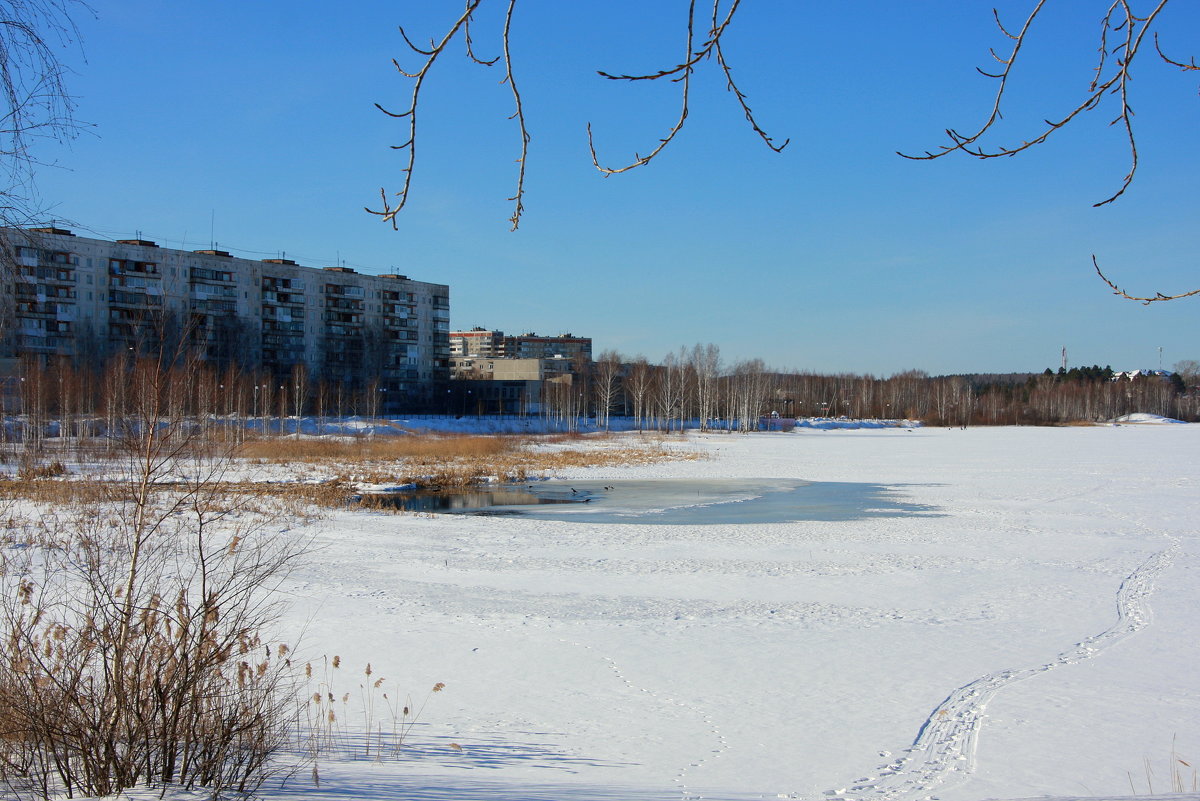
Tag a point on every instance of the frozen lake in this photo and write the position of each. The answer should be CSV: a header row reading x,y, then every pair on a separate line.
x,y
1016,618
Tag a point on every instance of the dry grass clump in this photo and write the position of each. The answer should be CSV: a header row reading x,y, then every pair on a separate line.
x,y
371,720
1180,775
54,492
363,449
299,499
29,468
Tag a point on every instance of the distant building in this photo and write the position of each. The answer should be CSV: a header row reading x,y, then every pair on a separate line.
x,y
1130,375
489,343
506,386
86,299
493,369
498,374
478,343
564,346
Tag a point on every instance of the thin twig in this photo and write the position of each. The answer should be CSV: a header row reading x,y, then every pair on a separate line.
x,y
390,211
519,115
685,79
1158,296
741,98
1135,29
1190,64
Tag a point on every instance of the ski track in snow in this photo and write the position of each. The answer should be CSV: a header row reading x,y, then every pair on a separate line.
x,y
943,753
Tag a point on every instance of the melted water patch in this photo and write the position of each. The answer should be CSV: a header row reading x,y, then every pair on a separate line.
x,y
667,501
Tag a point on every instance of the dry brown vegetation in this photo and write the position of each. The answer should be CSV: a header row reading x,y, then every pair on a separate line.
x,y
444,461
364,449
346,463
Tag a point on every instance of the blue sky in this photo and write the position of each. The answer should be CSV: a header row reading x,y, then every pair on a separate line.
x,y
252,124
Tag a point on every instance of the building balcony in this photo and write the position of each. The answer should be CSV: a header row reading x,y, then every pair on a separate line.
x,y
127,267
33,309
134,299
203,275
224,307
344,303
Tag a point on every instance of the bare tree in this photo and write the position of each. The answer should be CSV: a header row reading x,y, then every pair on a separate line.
x,y
638,385
606,385
706,363
300,390
704,33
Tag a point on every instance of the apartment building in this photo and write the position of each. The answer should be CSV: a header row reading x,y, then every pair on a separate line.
x,y
483,343
86,299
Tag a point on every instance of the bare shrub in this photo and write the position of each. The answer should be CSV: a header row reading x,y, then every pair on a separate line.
x,y
120,670
136,638
29,468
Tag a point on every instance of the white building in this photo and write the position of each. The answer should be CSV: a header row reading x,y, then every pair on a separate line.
x,y
86,299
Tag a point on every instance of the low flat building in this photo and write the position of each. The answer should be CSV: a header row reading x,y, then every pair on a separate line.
x,y
505,386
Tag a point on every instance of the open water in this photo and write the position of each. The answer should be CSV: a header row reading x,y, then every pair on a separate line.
x,y
669,501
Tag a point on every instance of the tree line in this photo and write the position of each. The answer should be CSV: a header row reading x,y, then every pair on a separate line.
x,y
78,403
692,387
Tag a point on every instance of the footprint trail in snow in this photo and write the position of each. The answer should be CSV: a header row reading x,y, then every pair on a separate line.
x,y
944,750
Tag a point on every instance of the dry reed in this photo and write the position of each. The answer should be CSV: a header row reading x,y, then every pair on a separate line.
x,y
364,449
425,461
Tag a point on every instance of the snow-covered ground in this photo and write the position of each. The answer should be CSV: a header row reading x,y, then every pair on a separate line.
x,y
1037,635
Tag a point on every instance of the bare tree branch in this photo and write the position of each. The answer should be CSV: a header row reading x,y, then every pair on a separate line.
x,y
519,115
691,59
389,211
1146,300
680,73
1119,18
741,97
683,71
685,79
34,93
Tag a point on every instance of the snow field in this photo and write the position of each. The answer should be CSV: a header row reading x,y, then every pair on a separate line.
x,y
1036,636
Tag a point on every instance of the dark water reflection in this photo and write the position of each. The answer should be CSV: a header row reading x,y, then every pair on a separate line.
x,y
667,501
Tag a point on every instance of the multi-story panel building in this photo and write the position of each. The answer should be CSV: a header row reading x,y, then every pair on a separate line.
x,y
89,298
563,346
478,343
482,343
